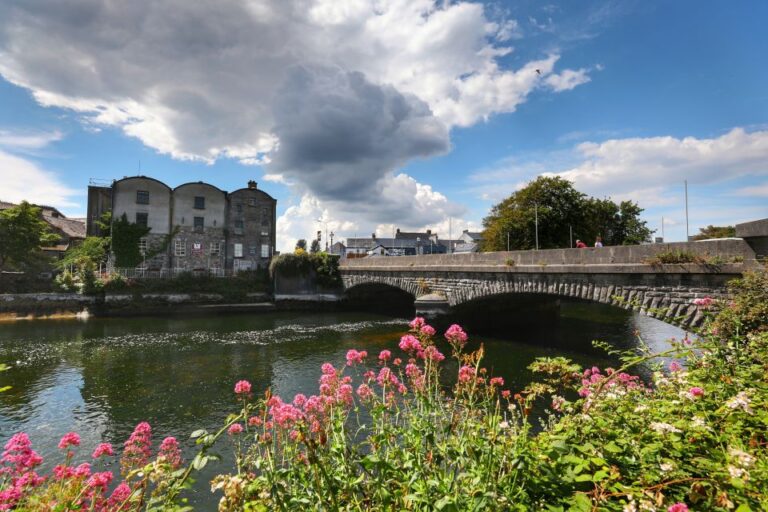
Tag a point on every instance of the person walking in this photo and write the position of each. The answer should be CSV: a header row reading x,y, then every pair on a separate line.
x,y
580,244
598,242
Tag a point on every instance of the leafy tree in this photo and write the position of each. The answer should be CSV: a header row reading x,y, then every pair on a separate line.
x,y
87,255
125,242
23,232
301,244
315,248
560,209
715,232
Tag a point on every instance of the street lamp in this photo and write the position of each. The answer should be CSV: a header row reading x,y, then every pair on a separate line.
x,y
320,220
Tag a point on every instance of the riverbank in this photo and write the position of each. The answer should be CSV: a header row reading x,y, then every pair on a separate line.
x,y
29,306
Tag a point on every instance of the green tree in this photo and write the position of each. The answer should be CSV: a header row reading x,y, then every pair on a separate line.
x,y
315,248
125,242
560,208
715,232
87,255
23,232
301,244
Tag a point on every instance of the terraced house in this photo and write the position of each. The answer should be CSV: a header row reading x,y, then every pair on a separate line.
x,y
195,226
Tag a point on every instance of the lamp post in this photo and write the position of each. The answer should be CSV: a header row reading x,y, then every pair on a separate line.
x,y
320,220
536,213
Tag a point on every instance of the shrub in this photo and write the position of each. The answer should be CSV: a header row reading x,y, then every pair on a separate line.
x,y
325,267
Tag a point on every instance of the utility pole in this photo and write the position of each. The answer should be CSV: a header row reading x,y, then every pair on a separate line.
x,y
449,236
507,241
686,210
662,229
570,230
536,213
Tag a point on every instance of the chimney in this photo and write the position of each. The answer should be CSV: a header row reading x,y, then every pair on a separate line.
x,y
398,231
373,235
429,231
251,184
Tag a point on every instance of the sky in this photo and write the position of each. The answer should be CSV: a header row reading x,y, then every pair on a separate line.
x,y
364,116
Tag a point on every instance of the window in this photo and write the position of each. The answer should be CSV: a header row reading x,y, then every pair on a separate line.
x,y
142,219
143,246
264,217
142,197
239,207
238,250
215,248
239,225
180,247
252,201
264,250
199,203
199,224
252,250
264,233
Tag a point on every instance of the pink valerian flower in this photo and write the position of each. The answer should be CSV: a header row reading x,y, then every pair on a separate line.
x,y
427,330
466,374
557,403
415,376
119,497
397,361
704,302
622,381
387,377
456,336
254,421
432,354
242,387
353,356
138,448
369,376
678,507
506,393
18,456
170,452
417,323
100,481
235,429
83,470
696,392
69,439
385,355
364,392
496,381
674,366
284,415
409,343
102,449
299,400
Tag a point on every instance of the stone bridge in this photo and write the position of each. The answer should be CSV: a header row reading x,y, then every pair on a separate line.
x,y
631,277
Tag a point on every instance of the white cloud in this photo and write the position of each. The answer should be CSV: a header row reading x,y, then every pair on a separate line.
x,y
24,180
567,80
760,190
27,140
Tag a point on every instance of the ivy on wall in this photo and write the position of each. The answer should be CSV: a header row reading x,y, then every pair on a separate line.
x,y
125,242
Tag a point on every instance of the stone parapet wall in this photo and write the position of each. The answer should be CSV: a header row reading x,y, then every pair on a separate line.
x,y
727,250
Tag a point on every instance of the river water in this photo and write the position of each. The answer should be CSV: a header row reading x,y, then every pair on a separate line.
x,y
101,376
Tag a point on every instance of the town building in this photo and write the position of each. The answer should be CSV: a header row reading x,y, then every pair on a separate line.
x,y
71,231
193,227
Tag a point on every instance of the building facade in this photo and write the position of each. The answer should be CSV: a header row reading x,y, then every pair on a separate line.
x,y
194,227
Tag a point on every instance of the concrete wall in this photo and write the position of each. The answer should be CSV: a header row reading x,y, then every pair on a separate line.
x,y
158,209
198,244
756,235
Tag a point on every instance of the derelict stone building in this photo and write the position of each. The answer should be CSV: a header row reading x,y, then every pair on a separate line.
x,y
195,226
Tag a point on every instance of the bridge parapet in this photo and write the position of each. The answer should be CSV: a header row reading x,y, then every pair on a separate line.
x,y
604,259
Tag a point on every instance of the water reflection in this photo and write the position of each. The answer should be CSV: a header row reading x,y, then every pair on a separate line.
x,y
103,376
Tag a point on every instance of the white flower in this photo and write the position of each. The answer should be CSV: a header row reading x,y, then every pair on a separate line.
x,y
503,425
738,472
744,459
666,467
663,428
699,422
641,408
740,401
631,506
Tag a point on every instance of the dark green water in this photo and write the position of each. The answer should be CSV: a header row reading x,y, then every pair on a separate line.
x,y
100,377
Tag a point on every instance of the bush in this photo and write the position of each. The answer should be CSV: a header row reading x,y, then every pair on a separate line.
x,y
325,267
235,287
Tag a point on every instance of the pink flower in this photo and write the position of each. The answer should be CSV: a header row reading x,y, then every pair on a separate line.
x,y
497,381
456,335
83,470
431,353
254,421
138,448
353,356
704,302
364,392
506,393
417,323
466,374
70,439
242,387
427,330
169,450
696,392
397,361
409,343
101,480
678,507
385,355
674,366
235,429
102,449
20,455
119,496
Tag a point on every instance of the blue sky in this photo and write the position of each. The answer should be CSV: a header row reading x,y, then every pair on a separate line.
x,y
403,115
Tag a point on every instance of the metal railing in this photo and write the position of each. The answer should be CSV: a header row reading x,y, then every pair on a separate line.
x,y
169,273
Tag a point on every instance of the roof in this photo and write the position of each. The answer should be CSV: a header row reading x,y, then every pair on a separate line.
x,y
413,235
474,235
369,243
72,228
466,247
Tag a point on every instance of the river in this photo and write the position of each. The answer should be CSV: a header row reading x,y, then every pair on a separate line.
x,y
101,376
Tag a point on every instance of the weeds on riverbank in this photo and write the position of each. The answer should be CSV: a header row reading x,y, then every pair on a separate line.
x,y
691,438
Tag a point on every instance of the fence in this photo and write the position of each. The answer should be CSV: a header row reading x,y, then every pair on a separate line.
x,y
169,273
